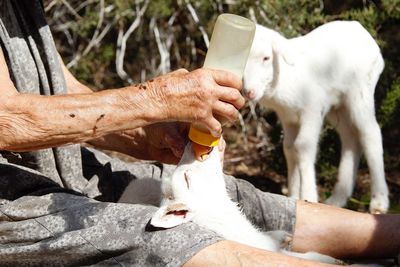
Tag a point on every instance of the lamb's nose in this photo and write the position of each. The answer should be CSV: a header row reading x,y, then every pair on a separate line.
x,y
249,94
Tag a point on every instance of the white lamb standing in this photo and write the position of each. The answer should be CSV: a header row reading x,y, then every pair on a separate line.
x,y
196,192
330,72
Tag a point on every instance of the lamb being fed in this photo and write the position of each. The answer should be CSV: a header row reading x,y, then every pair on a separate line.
x,y
196,192
329,73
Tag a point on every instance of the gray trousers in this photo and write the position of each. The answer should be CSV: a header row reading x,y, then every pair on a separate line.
x,y
63,228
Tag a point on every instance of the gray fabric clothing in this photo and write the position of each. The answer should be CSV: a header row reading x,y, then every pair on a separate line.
x,y
64,229
68,229
57,205
123,182
34,67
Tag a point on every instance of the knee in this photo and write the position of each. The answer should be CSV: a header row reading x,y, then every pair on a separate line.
x,y
305,147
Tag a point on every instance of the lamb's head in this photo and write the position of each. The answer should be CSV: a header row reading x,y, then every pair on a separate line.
x,y
259,71
193,186
263,64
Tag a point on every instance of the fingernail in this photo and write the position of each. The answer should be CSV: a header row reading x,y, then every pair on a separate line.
x,y
216,134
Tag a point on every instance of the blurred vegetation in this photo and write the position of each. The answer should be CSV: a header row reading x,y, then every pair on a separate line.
x,y
168,35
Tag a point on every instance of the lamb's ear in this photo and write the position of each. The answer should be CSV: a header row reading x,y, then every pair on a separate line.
x,y
280,47
171,215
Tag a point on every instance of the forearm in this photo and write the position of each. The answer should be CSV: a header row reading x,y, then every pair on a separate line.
x,y
119,142
124,142
228,253
32,122
344,233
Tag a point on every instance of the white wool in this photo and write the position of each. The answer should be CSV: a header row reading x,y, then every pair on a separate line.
x,y
200,188
196,192
329,73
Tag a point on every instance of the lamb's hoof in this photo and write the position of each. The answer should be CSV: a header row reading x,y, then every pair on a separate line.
x,y
379,203
336,200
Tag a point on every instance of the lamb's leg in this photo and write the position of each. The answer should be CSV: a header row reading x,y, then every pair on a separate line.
x,y
305,146
290,132
371,142
362,113
349,160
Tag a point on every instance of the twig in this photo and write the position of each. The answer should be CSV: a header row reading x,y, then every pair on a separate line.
x,y
232,160
252,14
197,22
164,66
244,131
71,9
50,5
95,40
121,43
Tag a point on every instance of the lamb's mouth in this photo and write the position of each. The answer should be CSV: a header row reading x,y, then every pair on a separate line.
x,y
201,152
178,212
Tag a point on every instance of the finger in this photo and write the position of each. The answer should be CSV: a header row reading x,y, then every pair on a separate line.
x,y
214,126
225,110
225,78
231,96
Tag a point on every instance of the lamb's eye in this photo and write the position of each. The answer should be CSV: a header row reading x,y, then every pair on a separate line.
x,y
265,59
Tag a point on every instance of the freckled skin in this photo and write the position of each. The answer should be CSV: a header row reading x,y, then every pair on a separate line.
x,y
118,119
94,130
100,117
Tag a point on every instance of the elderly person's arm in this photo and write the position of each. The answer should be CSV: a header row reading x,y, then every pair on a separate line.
x,y
233,254
164,142
30,122
340,233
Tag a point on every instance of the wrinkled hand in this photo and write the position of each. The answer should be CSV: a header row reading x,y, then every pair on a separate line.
x,y
202,96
